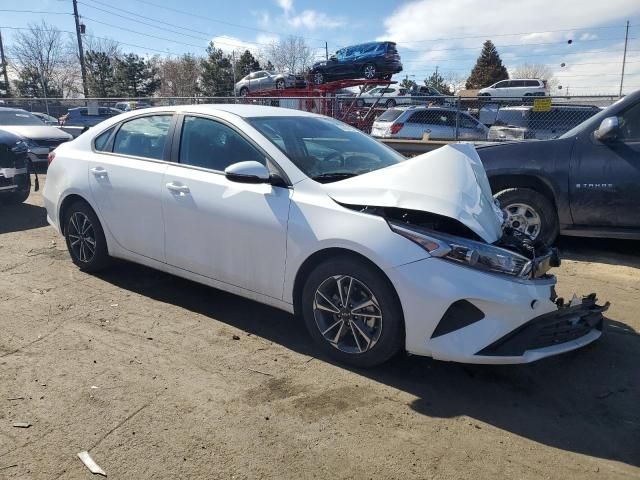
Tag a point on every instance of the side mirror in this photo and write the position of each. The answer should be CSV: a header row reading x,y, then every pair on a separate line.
x,y
333,58
247,172
608,129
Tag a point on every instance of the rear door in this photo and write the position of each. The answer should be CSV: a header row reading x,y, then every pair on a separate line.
x,y
125,178
605,176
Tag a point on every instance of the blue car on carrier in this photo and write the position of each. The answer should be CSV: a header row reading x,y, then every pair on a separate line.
x,y
367,60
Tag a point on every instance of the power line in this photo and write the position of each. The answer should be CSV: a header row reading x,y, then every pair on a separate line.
x,y
45,12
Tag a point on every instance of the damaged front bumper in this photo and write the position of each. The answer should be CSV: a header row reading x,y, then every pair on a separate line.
x,y
572,325
456,313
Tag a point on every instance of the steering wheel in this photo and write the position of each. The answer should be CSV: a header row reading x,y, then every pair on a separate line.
x,y
335,155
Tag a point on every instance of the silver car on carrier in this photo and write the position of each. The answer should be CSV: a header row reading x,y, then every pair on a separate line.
x,y
437,123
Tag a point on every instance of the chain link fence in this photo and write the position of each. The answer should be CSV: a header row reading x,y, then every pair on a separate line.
x,y
387,116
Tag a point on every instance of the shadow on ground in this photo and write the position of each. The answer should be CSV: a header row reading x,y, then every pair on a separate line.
x,y
584,402
601,250
23,216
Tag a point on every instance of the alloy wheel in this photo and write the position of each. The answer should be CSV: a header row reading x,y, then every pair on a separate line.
x,y
82,237
369,72
280,85
318,78
347,314
523,218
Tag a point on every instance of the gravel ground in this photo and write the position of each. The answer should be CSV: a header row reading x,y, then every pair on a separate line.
x,y
159,377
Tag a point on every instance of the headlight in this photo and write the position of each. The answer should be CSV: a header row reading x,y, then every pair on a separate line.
x,y
468,252
31,143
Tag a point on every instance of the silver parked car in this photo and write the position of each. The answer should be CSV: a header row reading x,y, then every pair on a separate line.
x,y
40,138
523,122
264,80
439,123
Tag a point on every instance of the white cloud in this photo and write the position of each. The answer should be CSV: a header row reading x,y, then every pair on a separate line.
x,y
416,24
230,44
308,19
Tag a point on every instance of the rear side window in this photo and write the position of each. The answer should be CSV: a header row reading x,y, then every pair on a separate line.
x,y
433,117
390,115
143,137
517,83
102,140
532,83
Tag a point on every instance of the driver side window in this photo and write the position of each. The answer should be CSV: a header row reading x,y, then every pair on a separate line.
x,y
210,144
629,123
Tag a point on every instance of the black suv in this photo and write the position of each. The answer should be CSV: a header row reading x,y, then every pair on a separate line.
x,y
368,60
584,183
15,183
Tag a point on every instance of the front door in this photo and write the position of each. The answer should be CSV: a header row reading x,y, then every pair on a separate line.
x,y
605,176
125,178
231,232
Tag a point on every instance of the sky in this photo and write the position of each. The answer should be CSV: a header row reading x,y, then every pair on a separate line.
x,y
443,34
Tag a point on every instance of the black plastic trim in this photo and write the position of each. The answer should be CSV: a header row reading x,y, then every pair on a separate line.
x,y
460,314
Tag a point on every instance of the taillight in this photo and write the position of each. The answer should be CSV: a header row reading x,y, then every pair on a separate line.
x,y
396,127
50,158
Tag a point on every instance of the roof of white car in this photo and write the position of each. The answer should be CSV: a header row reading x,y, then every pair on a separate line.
x,y
246,111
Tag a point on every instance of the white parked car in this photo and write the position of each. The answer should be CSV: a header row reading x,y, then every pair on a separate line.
x,y
375,252
385,97
516,88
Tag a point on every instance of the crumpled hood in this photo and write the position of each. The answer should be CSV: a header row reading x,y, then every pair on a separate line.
x,y
449,181
37,132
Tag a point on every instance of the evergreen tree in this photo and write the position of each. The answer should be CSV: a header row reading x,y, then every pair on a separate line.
x,y
217,73
438,82
101,74
269,66
136,77
408,84
488,68
246,64
29,84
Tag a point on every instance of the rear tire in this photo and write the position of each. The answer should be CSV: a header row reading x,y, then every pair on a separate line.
x,y
85,238
515,201
318,78
361,283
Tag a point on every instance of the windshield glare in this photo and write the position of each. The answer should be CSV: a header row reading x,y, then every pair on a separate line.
x,y
323,146
19,118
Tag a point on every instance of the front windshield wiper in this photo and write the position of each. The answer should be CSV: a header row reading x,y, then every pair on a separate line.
x,y
333,176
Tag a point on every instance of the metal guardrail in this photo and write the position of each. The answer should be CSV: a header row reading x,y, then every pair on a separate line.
x,y
441,118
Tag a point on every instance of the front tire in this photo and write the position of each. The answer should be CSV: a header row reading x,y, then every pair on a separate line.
x,y
352,312
244,91
280,85
369,71
318,78
15,198
390,103
85,238
530,212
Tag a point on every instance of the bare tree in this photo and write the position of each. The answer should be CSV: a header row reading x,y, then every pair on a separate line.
x,y
535,70
455,81
291,54
179,76
41,52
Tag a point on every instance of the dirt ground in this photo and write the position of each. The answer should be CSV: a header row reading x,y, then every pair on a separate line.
x,y
142,370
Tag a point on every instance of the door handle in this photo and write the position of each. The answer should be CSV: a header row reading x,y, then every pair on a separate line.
x,y
98,171
177,188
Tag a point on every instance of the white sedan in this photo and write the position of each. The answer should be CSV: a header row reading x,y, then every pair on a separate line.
x,y
378,254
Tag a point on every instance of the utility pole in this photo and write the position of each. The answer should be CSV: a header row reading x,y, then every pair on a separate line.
x,y
80,50
3,65
326,51
624,57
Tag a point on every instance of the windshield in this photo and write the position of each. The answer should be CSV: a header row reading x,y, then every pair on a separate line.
x,y
512,118
18,118
325,149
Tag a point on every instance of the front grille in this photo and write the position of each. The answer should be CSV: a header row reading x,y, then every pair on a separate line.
x,y
564,325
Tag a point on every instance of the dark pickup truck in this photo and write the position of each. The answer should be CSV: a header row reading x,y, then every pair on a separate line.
x,y
584,183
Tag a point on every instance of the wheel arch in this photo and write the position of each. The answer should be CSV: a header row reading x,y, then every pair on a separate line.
x,y
503,182
67,202
323,255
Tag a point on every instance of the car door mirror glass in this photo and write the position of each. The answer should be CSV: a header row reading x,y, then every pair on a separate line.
x,y
608,129
247,172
